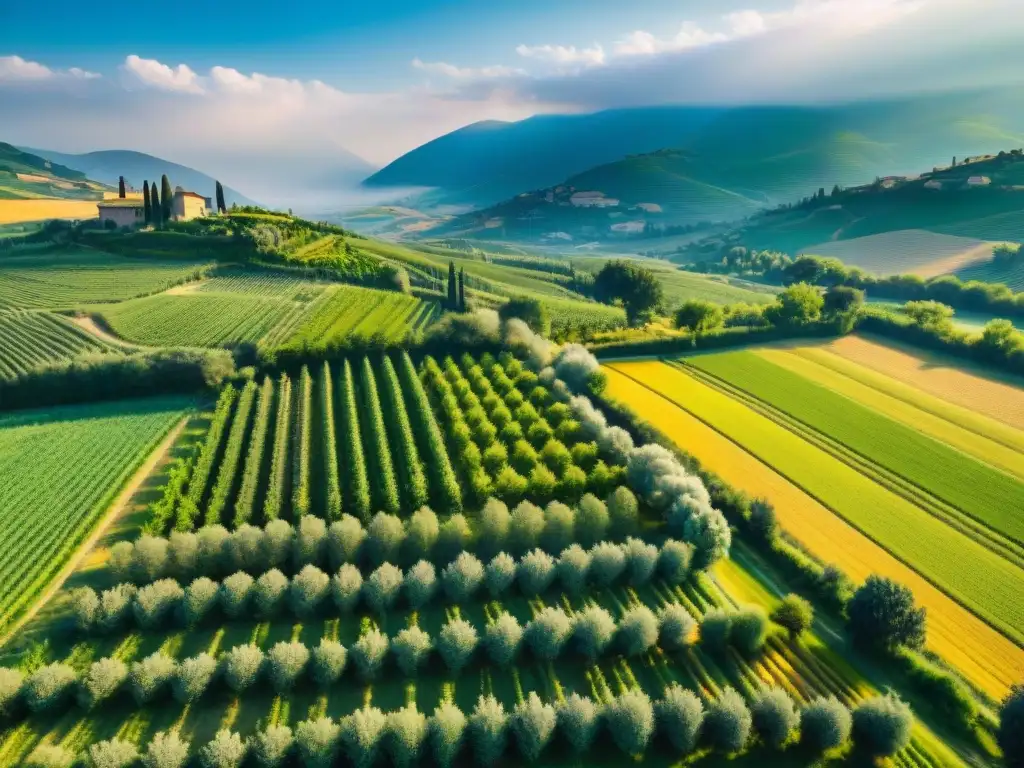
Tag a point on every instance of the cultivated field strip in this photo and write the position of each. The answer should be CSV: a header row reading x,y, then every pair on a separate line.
x,y
985,656
29,339
265,284
58,471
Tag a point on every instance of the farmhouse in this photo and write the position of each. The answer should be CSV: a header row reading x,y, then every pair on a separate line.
x,y
124,212
187,205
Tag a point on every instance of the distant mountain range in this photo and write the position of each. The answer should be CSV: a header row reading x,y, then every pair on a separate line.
x,y
729,161
107,165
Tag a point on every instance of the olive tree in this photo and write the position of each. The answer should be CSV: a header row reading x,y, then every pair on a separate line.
x,y
235,592
200,597
446,731
385,535
675,627
271,747
501,572
502,638
749,629
278,538
525,527
825,724
716,630
368,653
286,661
727,721
411,647
242,666
559,527
269,593
85,606
113,753
11,682
150,676
578,720
674,561
462,577
346,587
310,541
49,756
155,602
192,677
166,750
361,735
420,584
881,725
641,560
345,539
493,527
708,531
623,513
183,555
488,730
533,723
317,742
573,568
607,562
637,631
120,560
883,615
308,589
382,588
49,686
211,541
536,572
630,721
456,643
149,558
794,614
593,631
421,534
547,633
327,662
115,607
680,714
103,679
404,733
455,537
225,750
592,520
775,716
244,548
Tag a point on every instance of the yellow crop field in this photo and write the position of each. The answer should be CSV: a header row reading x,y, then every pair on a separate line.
x,y
990,660
964,440
936,375
17,211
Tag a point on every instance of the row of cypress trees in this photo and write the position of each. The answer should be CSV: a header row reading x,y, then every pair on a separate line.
x,y
456,288
157,203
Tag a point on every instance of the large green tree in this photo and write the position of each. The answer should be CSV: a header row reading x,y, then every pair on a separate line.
x,y
155,208
1011,727
883,615
120,187
166,196
798,304
530,311
221,206
635,287
147,209
699,315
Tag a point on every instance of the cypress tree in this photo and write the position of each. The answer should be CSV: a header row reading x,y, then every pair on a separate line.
x,y
452,288
165,198
462,290
120,187
156,210
221,205
145,202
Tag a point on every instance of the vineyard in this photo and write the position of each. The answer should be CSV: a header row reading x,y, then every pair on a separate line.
x,y
30,339
85,453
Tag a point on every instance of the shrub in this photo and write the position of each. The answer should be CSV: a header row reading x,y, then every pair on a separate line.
x,y
310,540
271,747
115,607
525,528
149,558
317,742
573,568
775,716
548,632
226,750
113,754
883,615
270,589
345,539
749,629
456,643
578,719
327,662
559,525
155,602
85,605
641,560
637,630
48,686
716,630
361,734
382,588
462,577
104,678
502,638
509,485
150,676
278,538
11,681
536,572
182,554
488,730
524,457
542,483
607,562
411,646
708,532
1010,734
198,600
630,720
592,521
500,574
211,543
166,750
593,630
420,584
446,730
244,548
346,587
192,677
286,661
384,539
825,723
554,454
727,722
242,665
674,561
794,614
235,591
308,589
454,538
881,725
368,653
533,723
675,627
404,733
680,714
623,513
421,534
493,527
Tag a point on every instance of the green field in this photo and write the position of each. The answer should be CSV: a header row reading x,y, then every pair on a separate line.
x,y
59,469
31,339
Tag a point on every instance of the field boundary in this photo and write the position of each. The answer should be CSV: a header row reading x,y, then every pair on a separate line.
x,y
797,484
114,510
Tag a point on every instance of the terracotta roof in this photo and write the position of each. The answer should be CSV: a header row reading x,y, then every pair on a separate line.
x,y
127,202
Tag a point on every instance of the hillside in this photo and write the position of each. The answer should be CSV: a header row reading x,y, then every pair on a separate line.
x,y
769,153
107,165
27,176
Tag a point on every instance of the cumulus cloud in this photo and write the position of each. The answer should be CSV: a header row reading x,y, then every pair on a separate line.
x,y
563,54
465,73
152,73
15,69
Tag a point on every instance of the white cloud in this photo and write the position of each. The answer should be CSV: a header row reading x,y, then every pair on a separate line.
x,y
15,68
563,54
151,72
465,73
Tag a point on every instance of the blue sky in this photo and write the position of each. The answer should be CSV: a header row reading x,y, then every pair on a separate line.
x,y
309,90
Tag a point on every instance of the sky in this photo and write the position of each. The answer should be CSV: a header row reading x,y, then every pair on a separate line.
x,y
319,90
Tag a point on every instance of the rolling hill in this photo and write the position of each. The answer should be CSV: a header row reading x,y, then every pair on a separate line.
x,y
107,165
27,176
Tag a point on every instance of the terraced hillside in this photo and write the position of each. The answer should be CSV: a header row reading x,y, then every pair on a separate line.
x,y
31,339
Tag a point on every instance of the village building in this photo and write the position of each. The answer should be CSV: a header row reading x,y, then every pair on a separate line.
x,y
187,205
124,212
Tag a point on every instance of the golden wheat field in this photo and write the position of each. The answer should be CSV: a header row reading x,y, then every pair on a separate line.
x,y
17,211
987,658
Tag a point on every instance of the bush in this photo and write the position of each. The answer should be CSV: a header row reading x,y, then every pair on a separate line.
x,y
346,587
623,513
548,632
48,686
1011,727
883,615
775,717
881,725
286,661
166,750
198,600
271,747
488,730
420,584
525,528
11,681
578,720
607,562
456,643
113,754
278,538
573,568
825,724
150,676
361,734
592,521
536,572
593,630
345,539
501,572
446,730
421,534
455,537
674,561
641,560
749,629
149,558
494,523
727,722
192,677
155,602
308,589
675,627
115,606
226,750
317,742
709,533
211,543
462,577
411,647
794,614
680,714
630,720
716,630
385,536
637,631
382,588
327,662
270,590
368,653
104,678
509,485
502,638
85,605
533,723
235,592
404,733
244,548
310,540
559,524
